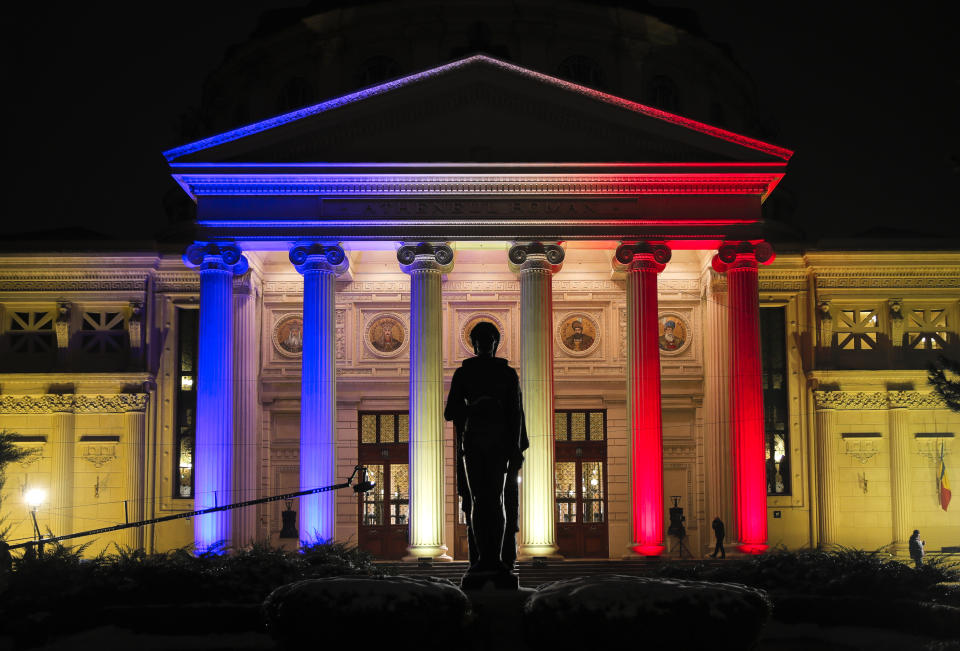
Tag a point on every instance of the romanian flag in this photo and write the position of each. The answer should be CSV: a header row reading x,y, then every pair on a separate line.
x,y
944,483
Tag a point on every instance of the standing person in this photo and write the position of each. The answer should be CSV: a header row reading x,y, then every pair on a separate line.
x,y
916,548
720,533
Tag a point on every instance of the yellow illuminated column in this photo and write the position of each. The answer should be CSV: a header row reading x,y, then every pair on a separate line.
x,y
536,262
61,469
899,417
134,437
426,263
828,505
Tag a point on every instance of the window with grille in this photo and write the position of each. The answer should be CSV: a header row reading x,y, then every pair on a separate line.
x,y
188,322
927,328
102,333
857,328
773,357
664,94
581,70
31,332
377,69
578,425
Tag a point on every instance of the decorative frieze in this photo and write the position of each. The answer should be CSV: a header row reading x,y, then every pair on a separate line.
x,y
73,281
915,400
173,282
890,277
877,400
70,402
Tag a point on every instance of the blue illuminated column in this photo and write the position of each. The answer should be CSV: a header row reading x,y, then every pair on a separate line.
x,y
320,264
213,450
426,263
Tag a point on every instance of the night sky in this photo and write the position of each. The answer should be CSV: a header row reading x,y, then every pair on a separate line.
x,y
867,98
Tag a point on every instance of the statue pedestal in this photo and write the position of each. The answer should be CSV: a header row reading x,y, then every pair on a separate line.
x,y
497,580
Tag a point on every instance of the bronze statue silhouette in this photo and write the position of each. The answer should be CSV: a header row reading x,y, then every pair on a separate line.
x,y
487,413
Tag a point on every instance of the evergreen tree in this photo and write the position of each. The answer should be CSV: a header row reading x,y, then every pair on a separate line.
x,y
10,452
947,388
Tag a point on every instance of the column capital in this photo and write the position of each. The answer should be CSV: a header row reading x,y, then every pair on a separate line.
x,y
742,255
204,256
642,256
425,256
530,256
319,256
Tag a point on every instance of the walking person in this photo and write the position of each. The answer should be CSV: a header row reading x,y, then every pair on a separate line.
x,y
720,533
916,548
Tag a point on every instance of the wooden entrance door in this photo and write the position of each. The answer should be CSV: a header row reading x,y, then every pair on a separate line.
x,y
385,510
580,483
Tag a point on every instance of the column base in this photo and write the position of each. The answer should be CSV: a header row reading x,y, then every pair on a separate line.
x,y
529,552
753,549
639,550
436,553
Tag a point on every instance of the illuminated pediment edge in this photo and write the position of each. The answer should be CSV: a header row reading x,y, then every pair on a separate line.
x,y
455,70
877,400
236,182
76,403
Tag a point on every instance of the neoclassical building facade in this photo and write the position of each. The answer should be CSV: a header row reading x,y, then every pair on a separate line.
x,y
672,352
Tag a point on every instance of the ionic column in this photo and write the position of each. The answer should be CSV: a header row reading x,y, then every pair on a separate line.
x,y
61,468
643,261
320,264
426,263
213,451
536,263
900,498
134,436
246,356
828,505
716,419
740,262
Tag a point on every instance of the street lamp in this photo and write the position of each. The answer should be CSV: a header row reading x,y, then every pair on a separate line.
x,y
34,498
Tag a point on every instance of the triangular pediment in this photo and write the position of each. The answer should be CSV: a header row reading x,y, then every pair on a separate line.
x,y
478,110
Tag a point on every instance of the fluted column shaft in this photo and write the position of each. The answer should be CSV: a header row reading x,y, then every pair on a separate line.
x,y
61,473
536,265
643,262
320,265
246,337
134,436
828,502
740,261
717,406
425,264
900,498
213,451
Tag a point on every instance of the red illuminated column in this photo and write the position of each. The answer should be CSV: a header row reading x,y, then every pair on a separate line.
x,y
643,261
740,261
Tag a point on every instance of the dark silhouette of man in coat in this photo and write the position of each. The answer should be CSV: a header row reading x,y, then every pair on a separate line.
x,y
719,532
486,409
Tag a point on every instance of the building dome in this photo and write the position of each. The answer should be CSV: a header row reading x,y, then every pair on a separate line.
x,y
297,57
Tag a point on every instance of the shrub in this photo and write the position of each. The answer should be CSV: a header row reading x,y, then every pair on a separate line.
x,y
655,613
73,591
435,609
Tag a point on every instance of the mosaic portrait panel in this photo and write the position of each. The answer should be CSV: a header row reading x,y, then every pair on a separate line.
x,y
673,334
385,335
578,334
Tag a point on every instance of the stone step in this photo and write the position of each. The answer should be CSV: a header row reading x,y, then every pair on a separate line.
x,y
532,574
